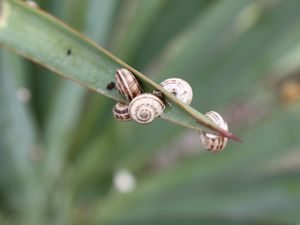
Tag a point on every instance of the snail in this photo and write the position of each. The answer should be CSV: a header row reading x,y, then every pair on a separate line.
x,y
145,108
120,112
213,142
179,88
127,84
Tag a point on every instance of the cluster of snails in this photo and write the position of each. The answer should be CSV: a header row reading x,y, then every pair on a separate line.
x,y
145,107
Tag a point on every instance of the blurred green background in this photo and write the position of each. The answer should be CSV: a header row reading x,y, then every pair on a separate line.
x,y
65,160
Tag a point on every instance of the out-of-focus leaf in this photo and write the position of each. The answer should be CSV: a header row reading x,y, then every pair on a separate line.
x,y
142,16
236,160
62,120
222,61
175,18
273,197
196,220
18,140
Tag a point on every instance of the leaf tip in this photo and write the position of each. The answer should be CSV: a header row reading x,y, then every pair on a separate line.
x,y
229,135
234,137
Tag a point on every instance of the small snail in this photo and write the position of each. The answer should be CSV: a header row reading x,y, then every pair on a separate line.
x,y
145,108
127,84
179,88
120,112
212,142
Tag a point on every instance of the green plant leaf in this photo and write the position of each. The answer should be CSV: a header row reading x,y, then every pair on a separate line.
x,y
19,146
66,52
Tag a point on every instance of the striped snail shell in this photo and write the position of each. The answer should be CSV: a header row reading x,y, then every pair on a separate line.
x,y
120,112
179,88
127,84
213,142
145,108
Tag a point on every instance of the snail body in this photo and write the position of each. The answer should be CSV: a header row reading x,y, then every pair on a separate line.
x,y
127,84
145,108
212,142
179,88
120,112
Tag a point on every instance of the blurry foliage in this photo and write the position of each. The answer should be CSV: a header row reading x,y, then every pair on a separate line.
x,y
60,148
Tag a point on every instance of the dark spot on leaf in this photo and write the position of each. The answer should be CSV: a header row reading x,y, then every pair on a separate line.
x,y
110,86
69,52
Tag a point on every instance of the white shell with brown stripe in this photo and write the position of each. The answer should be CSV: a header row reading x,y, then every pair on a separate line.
x,y
127,84
120,112
213,142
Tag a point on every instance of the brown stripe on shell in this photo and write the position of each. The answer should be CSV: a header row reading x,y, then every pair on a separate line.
x,y
120,85
221,143
224,142
127,84
120,112
212,142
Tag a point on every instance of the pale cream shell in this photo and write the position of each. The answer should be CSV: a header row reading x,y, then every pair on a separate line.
x,y
179,88
145,108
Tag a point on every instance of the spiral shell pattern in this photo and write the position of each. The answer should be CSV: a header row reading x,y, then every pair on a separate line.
x,y
179,88
127,84
120,112
145,108
213,142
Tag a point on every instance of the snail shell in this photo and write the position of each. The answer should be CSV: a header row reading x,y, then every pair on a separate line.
x,y
179,88
120,112
213,142
145,108
127,84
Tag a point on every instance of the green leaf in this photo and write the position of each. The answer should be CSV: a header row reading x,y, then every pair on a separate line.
x,y
18,143
134,30
66,52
